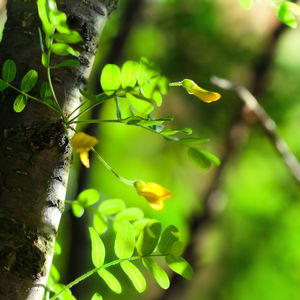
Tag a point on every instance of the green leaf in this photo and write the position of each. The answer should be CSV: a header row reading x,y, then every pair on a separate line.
x,y
45,62
77,209
157,98
139,225
97,296
66,295
3,85
112,282
169,236
246,4
180,266
163,85
99,223
54,273
63,49
9,70
129,73
125,240
97,98
175,131
88,197
293,7
98,249
141,105
193,141
134,274
202,159
71,38
57,248
111,206
158,273
20,103
59,19
29,81
142,72
148,238
42,10
45,91
67,63
110,78
286,15
130,214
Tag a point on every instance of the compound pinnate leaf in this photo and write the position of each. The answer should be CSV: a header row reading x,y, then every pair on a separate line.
x,y
125,240
63,49
29,81
98,249
148,238
97,296
3,85
158,273
130,214
134,274
180,266
202,159
141,105
129,73
169,236
9,70
112,282
88,197
110,78
20,103
111,206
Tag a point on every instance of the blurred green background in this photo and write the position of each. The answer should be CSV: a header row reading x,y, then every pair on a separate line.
x,y
248,247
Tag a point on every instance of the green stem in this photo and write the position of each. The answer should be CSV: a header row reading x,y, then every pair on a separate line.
x,y
33,98
51,86
109,168
95,121
91,272
179,83
78,107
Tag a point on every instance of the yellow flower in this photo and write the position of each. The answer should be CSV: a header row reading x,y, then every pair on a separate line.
x,y
83,143
204,95
154,193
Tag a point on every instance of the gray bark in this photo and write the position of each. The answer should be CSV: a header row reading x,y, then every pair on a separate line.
x,y
35,152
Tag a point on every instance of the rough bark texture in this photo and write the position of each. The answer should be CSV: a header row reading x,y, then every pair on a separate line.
x,y
35,151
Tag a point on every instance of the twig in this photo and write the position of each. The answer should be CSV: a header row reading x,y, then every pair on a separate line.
x,y
265,120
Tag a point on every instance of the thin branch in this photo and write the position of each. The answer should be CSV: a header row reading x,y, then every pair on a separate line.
x,y
266,122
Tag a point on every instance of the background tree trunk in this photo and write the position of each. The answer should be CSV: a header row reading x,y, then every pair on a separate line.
x,y
35,151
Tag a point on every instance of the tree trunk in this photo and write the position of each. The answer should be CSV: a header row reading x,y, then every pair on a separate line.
x,y
35,151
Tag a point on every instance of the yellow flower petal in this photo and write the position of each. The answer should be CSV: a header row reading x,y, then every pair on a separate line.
x,y
84,157
204,95
83,142
154,193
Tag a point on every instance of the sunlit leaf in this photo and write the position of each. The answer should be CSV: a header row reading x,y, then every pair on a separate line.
x,y
141,105
180,266
57,248
77,209
139,225
71,38
112,282
63,49
110,78
42,10
156,96
29,81
125,240
134,274
54,273
130,214
175,131
111,206
97,296
99,223
20,103
285,14
98,249
158,273
129,73
148,238
88,197
9,70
